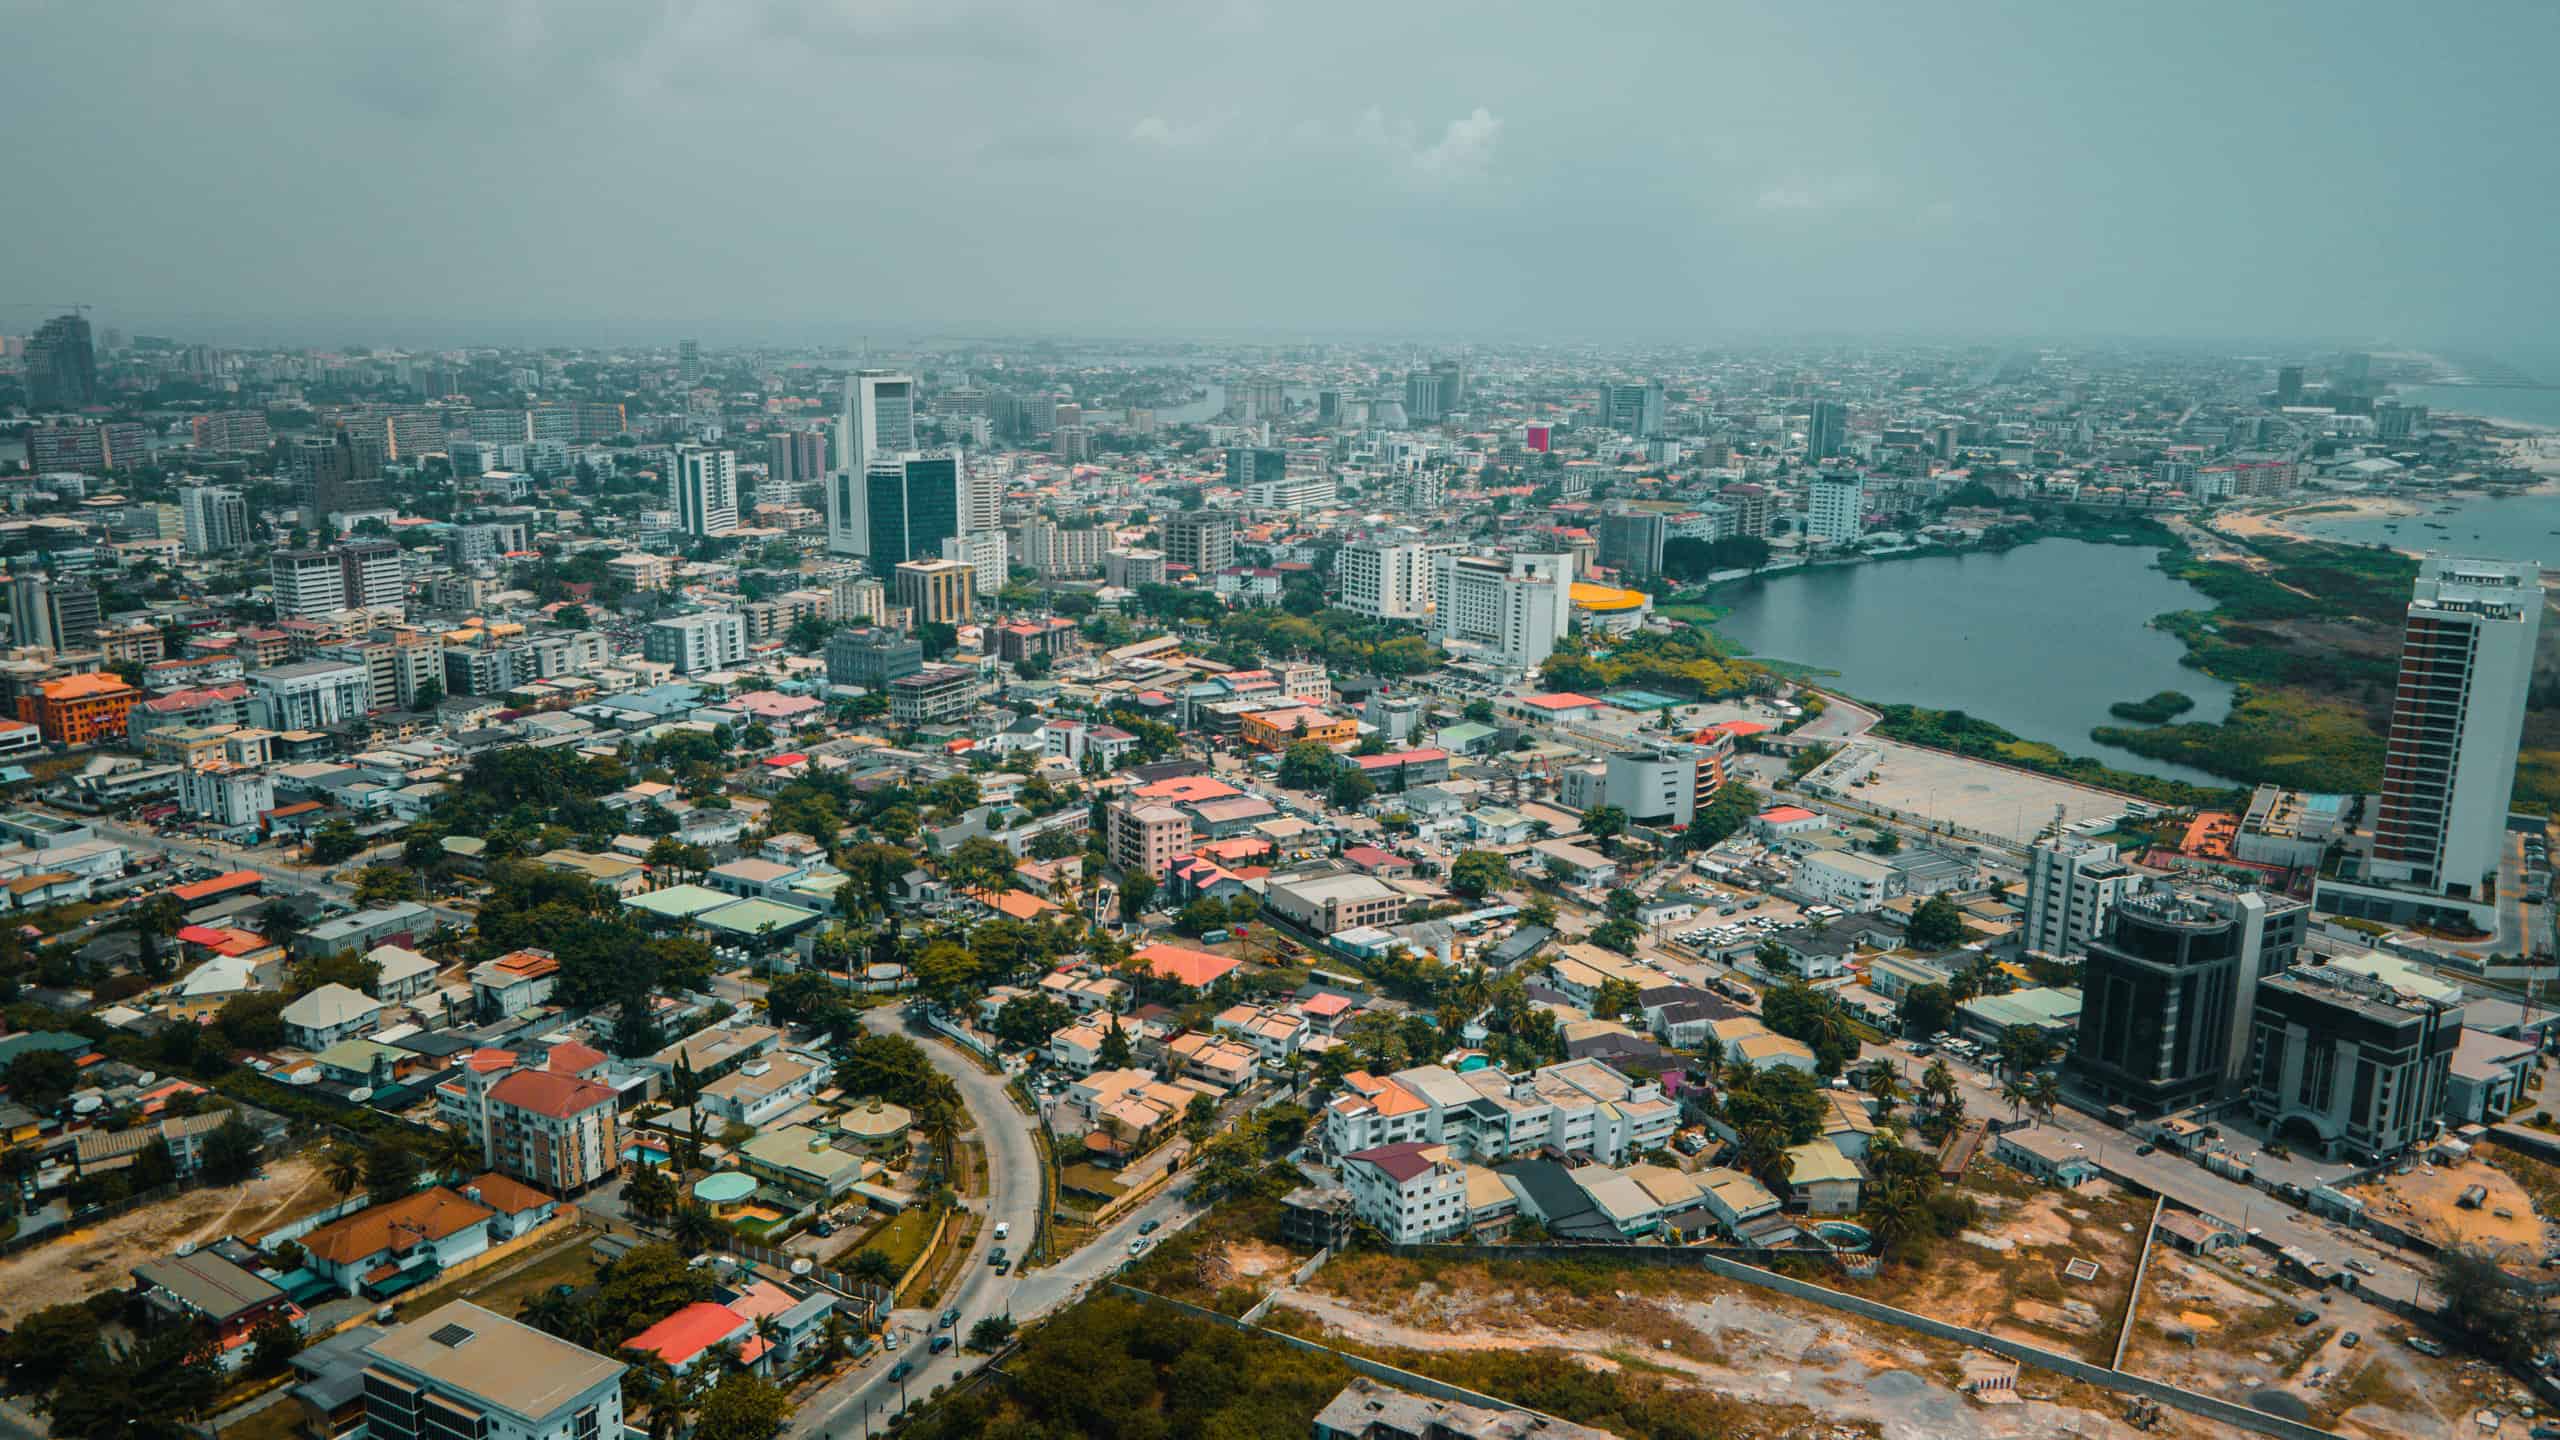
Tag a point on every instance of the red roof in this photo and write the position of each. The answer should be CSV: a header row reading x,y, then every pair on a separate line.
x,y
794,758
1370,857
1738,728
688,1332
1785,814
484,1061
219,885
544,1093
1401,1161
1562,700
571,1058
1198,969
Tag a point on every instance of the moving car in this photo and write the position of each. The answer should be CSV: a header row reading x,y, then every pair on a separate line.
x,y
940,1344
1149,1227
901,1370
950,1318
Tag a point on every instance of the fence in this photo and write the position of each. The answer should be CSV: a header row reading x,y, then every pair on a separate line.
x,y
1374,1369
875,1298
2211,1407
2133,1295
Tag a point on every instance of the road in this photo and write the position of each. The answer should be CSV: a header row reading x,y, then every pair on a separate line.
x,y
865,1398
2242,1206
231,857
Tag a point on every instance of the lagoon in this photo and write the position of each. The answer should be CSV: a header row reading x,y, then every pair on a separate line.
x,y
2498,527
2039,640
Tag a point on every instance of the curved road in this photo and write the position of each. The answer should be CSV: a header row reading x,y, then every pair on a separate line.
x,y
865,1397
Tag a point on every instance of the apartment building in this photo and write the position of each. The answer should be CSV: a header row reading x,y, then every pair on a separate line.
x,y
1579,1107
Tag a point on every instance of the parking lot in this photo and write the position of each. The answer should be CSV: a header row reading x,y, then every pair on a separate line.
x,y
1973,795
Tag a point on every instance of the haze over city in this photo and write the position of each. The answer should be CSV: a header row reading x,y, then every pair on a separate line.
x,y
760,721
805,171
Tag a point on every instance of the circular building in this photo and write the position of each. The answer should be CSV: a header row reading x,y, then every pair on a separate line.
x,y
725,1193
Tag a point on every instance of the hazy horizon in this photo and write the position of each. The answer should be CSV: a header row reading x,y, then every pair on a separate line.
x,y
813,173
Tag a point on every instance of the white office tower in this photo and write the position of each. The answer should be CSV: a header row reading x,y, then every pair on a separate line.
x,y
981,499
2073,883
1512,609
215,519
705,490
309,584
879,419
1385,581
692,644
984,552
1836,508
2466,659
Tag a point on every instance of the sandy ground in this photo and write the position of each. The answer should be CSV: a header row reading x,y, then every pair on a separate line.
x,y
2210,1327
2424,1200
83,1262
1992,799
2005,1275
1734,1341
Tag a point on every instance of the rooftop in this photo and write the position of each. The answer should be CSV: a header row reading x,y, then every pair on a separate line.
x,y
485,1355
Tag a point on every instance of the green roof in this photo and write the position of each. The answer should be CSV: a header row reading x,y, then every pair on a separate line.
x,y
680,902
34,1040
2040,1006
1464,734
787,1150
750,917
356,1055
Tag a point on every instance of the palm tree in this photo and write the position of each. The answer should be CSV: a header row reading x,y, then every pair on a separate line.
x,y
1937,1084
343,1166
2014,1092
2044,1092
669,1396
1760,1152
454,1151
697,1230
769,1330
1884,1083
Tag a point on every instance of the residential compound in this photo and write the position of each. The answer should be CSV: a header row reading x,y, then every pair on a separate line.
x,y
1577,1108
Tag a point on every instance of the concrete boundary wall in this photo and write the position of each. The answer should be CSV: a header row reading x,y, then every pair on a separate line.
x,y
2214,1408
2141,1267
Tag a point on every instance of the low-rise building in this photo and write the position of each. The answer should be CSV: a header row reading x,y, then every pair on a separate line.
x,y
1411,1192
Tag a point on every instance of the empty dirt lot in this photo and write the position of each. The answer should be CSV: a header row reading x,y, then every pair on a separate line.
x,y
2426,1201
101,1257
1777,1359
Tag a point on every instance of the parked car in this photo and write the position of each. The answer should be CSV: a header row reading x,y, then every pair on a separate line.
x,y
2306,1317
996,1257
2350,1340
1138,1246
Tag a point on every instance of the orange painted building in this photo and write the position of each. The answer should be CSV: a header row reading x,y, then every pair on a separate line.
x,y
1280,729
79,709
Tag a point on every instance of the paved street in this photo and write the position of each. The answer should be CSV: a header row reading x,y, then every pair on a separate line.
x,y
2190,1184
232,857
865,1398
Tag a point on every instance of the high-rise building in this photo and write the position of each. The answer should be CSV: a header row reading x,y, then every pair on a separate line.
x,y
332,477
2289,385
794,458
1059,553
1631,409
1205,540
1422,397
985,553
2355,372
2073,883
67,449
308,584
2349,1062
705,486
1385,581
1452,378
58,614
1826,430
692,644
1250,465
871,658
688,358
372,576
1836,507
61,365
1631,539
937,591
1514,609
232,432
1129,569
913,502
1752,505
879,419
981,500
2166,997
214,519
2449,767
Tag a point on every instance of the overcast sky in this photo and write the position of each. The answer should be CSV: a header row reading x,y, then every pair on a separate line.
x,y
797,169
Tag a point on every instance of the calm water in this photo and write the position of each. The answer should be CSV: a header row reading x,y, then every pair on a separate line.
x,y
2519,407
2516,527
2039,640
